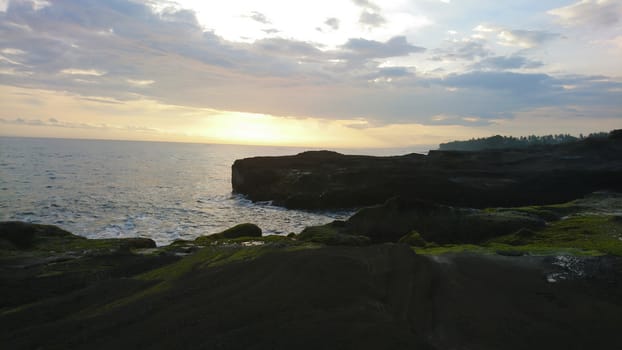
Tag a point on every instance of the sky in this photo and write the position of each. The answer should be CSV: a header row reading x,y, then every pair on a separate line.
x,y
323,73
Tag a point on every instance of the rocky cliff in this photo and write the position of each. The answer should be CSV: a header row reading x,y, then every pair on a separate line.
x,y
329,180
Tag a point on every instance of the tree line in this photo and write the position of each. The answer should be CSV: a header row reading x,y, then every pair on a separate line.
x,y
503,142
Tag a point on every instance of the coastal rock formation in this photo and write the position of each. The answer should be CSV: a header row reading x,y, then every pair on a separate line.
x,y
535,175
590,225
436,223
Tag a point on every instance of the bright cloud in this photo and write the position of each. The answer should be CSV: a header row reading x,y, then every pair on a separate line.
x,y
91,72
600,13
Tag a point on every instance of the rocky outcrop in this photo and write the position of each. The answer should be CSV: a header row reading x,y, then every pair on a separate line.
x,y
400,217
536,175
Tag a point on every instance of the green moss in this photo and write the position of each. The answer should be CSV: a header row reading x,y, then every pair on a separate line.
x,y
166,276
452,248
413,239
594,234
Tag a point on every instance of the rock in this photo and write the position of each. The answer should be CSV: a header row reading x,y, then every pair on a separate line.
x,y
242,230
497,178
413,239
138,243
436,223
616,134
332,234
24,235
237,231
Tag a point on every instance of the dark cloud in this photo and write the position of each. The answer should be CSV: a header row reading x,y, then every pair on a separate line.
x,y
395,72
293,48
366,49
462,50
516,82
506,62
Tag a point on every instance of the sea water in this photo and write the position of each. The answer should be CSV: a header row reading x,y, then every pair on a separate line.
x,y
111,189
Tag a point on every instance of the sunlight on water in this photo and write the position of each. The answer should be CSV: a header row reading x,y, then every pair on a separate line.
x,y
164,191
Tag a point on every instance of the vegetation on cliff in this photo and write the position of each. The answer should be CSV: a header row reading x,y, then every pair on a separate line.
x,y
511,142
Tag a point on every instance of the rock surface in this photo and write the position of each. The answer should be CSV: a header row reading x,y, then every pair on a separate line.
x,y
536,175
90,294
376,297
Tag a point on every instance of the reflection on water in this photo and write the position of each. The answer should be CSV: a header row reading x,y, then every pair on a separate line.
x,y
164,191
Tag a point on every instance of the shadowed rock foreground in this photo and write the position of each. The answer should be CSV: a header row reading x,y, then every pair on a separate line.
x,y
285,294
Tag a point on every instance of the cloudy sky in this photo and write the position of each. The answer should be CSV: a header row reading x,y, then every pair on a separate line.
x,y
323,73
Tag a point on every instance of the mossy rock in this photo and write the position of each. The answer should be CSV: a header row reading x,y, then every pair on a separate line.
x,y
330,234
413,239
242,230
137,243
237,231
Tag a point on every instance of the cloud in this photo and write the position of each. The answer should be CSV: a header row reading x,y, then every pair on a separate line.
x,y
75,71
515,82
55,123
506,62
285,47
140,82
371,19
371,15
196,68
12,52
462,50
598,13
525,38
259,17
363,48
389,74
517,37
366,4
333,23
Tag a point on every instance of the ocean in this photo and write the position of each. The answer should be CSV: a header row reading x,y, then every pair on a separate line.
x,y
163,191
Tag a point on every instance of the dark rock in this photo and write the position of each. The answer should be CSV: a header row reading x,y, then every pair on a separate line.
x,y
138,243
494,178
510,252
375,297
332,234
237,231
616,134
436,223
24,235
242,230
